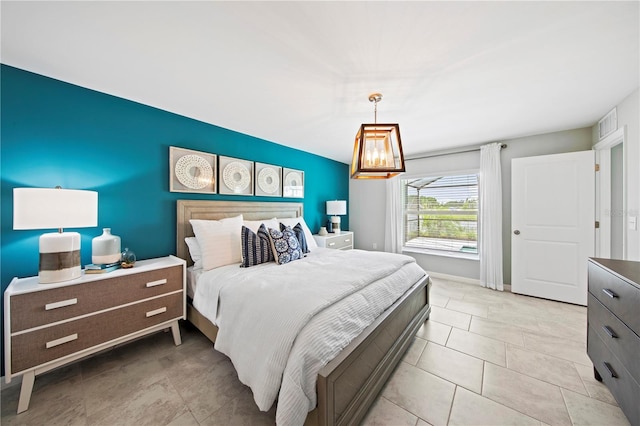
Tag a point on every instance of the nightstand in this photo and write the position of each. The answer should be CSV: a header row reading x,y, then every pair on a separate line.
x,y
341,241
50,325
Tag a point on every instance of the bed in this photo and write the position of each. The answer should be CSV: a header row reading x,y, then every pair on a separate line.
x,y
348,384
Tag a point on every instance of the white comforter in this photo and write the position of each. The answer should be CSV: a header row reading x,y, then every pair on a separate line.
x,y
279,324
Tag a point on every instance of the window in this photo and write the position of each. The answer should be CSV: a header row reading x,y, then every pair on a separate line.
x,y
441,213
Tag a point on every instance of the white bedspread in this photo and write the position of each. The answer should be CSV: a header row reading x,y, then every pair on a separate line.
x,y
270,317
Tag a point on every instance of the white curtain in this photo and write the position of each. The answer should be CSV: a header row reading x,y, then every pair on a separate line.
x,y
393,217
490,217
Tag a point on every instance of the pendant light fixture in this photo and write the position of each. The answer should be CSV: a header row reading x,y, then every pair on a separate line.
x,y
377,150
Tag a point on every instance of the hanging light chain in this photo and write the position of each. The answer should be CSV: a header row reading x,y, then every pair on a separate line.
x,y
375,112
375,98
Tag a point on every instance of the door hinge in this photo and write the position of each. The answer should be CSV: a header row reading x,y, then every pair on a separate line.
x,y
597,167
597,224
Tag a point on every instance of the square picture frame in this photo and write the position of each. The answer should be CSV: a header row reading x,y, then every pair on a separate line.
x,y
235,176
192,171
292,183
268,180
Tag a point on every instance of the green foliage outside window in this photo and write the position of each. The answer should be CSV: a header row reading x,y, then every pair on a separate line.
x,y
453,220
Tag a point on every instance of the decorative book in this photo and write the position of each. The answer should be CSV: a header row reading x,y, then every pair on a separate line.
x,y
94,268
101,271
101,265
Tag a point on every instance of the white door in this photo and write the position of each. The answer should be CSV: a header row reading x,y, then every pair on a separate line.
x,y
553,225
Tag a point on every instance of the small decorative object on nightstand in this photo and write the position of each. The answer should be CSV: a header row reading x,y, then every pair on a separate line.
x,y
105,248
128,258
343,241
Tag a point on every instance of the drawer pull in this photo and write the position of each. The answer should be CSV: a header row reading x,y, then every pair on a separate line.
x,y
609,293
157,311
60,304
332,244
347,240
610,369
156,282
62,340
609,331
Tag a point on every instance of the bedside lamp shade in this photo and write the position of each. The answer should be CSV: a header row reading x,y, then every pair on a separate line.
x,y
336,209
56,208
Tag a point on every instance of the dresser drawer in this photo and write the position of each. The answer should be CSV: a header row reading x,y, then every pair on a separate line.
x,y
47,306
39,346
621,341
623,387
340,241
620,297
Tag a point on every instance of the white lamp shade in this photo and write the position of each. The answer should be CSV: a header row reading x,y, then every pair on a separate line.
x,y
337,207
54,208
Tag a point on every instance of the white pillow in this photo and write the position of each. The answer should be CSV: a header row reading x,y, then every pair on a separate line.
x,y
194,251
219,241
255,224
293,221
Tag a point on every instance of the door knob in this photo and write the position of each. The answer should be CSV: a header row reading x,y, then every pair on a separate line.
x,y
516,232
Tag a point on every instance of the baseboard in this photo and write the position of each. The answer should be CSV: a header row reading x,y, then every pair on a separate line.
x,y
466,280
453,278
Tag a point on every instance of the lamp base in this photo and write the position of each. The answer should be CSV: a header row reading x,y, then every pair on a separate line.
x,y
335,221
59,257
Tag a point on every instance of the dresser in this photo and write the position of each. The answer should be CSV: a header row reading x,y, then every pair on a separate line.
x,y
50,325
613,337
341,241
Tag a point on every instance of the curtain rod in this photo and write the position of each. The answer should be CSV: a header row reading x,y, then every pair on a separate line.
x,y
461,151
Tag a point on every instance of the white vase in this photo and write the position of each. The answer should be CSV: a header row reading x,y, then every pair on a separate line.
x,y
105,248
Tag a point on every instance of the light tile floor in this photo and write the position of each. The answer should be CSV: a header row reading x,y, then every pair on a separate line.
x,y
496,358
483,358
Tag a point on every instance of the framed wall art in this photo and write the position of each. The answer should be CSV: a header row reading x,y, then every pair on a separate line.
x,y
292,183
191,171
268,180
235,176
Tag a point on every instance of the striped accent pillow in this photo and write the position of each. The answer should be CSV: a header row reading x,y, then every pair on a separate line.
x,y
256,247
302,239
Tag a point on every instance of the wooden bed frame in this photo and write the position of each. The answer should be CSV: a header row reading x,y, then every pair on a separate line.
x,y
349,384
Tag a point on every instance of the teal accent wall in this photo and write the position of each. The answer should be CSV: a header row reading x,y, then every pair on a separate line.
x,y
55,133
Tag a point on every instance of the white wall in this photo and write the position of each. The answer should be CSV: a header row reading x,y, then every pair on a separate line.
x,y
628,111
367,198
366,212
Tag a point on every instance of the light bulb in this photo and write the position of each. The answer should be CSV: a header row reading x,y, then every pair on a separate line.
x,y
376,156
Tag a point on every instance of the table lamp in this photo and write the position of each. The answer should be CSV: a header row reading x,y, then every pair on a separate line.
x,y
335,209
51,208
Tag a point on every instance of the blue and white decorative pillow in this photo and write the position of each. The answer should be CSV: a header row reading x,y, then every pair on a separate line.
x,y
299,231
256,247
285,245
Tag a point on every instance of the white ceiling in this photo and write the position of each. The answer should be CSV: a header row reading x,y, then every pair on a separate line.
x,y
299,73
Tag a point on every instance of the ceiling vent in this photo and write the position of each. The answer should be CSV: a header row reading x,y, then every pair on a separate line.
x,y
608,124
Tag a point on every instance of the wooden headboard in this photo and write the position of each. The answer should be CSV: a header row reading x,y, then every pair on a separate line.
x,y
215,210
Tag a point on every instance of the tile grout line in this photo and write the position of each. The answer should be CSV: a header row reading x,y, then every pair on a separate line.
x,y
453,399
564,400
